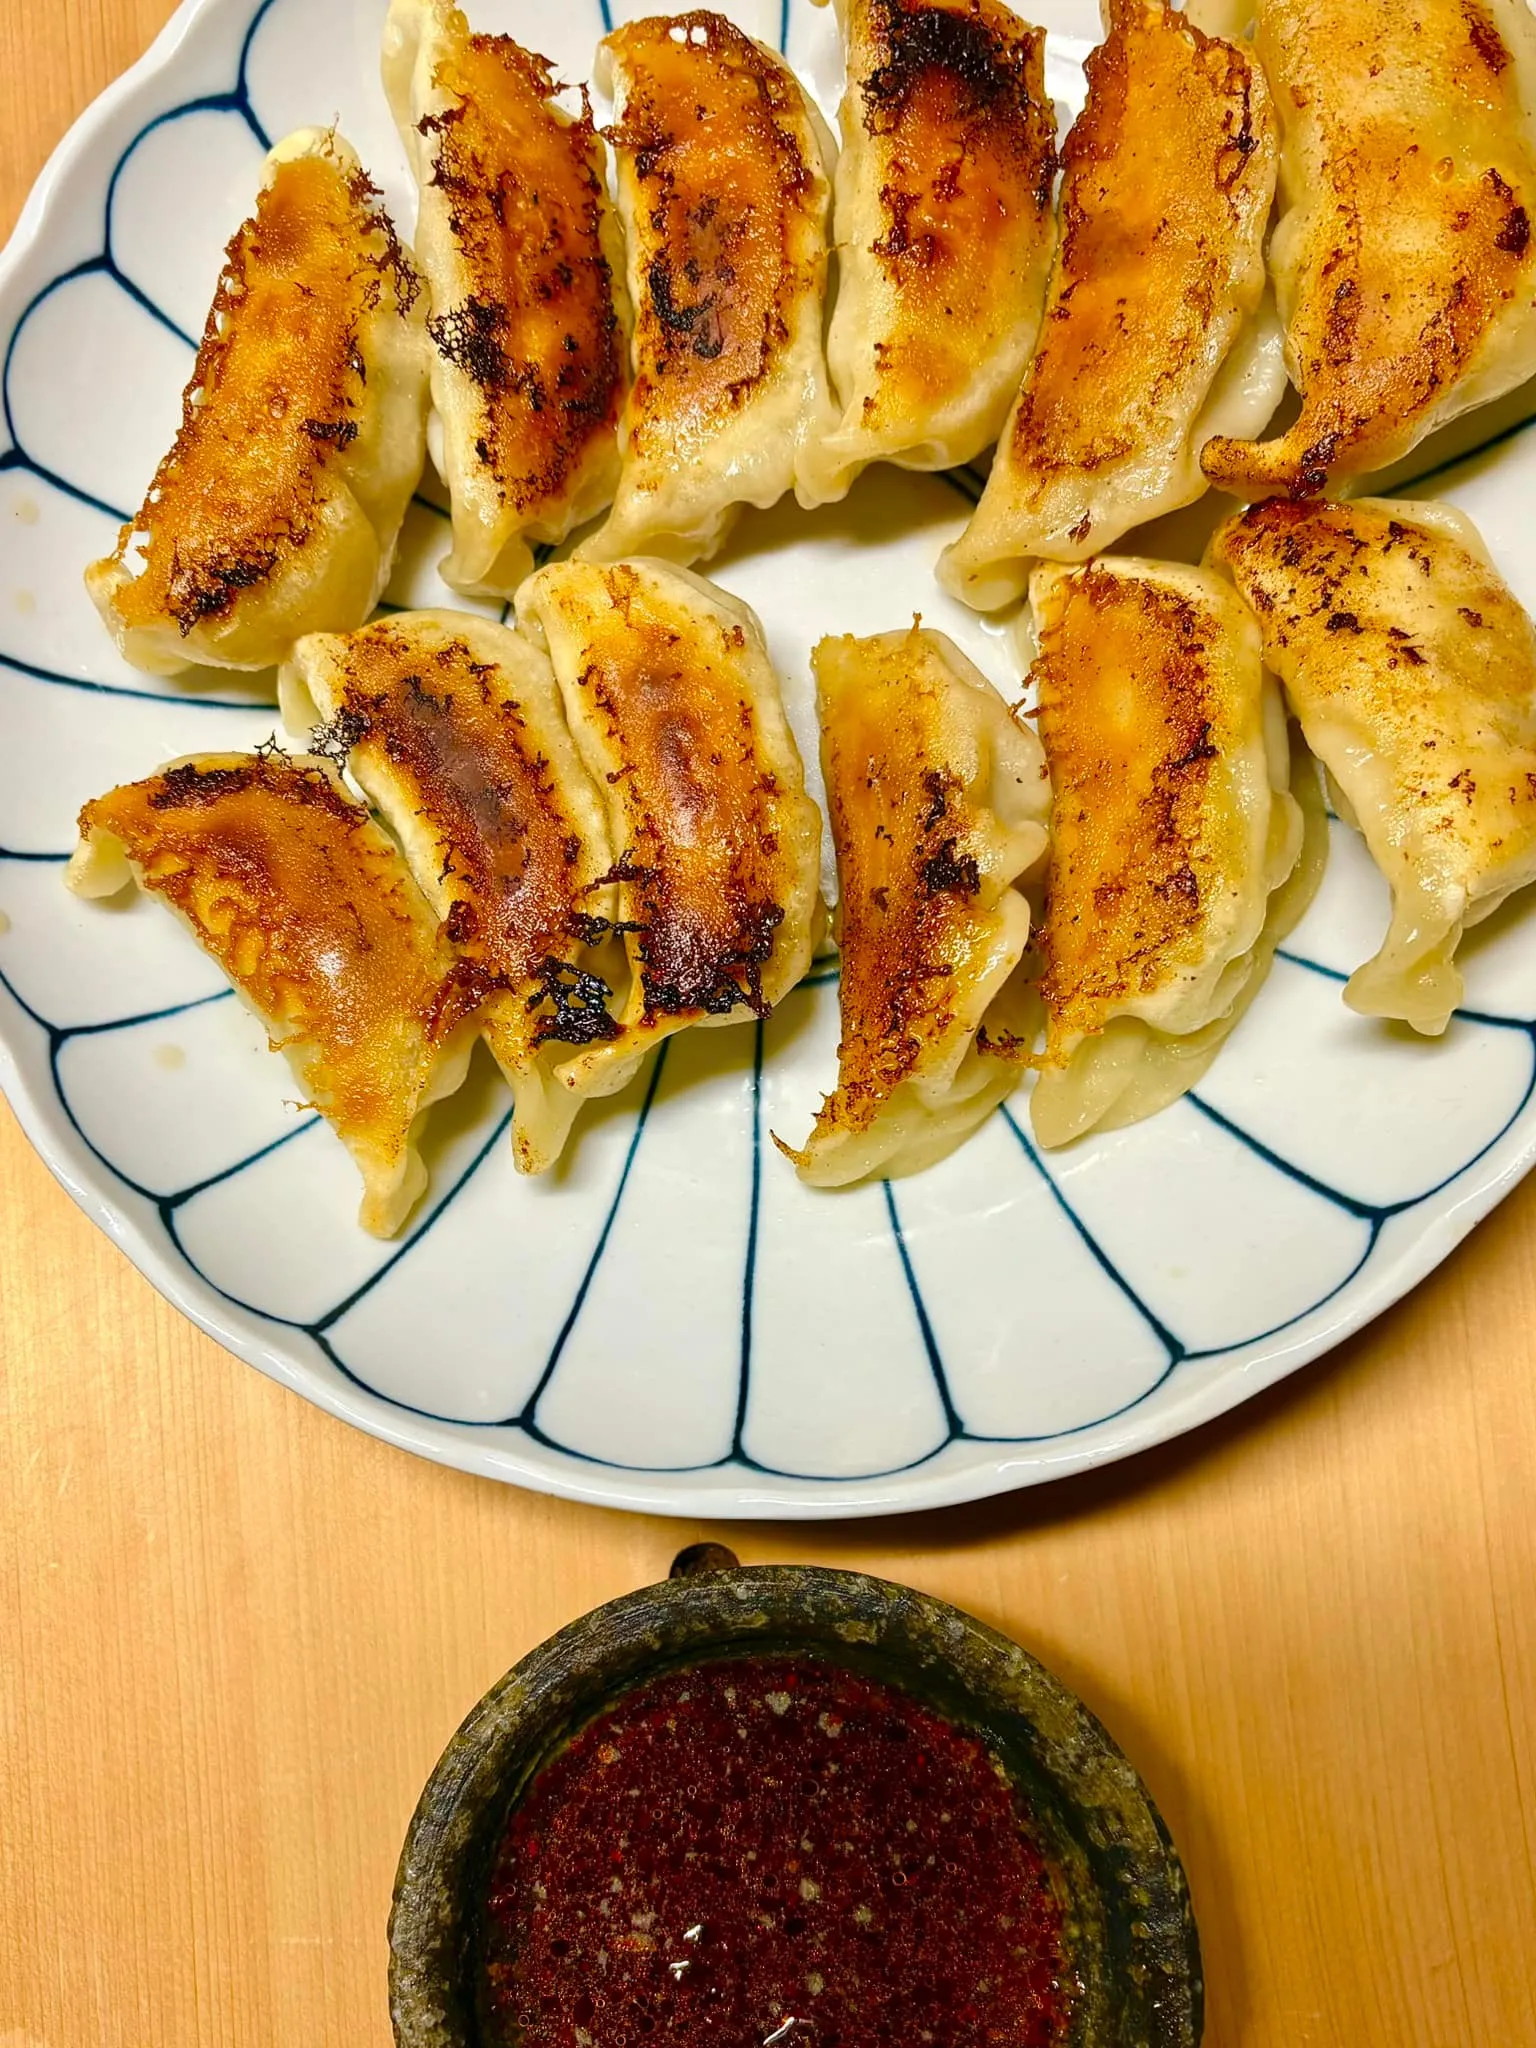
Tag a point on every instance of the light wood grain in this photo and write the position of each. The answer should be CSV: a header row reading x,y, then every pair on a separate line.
x,y
234,1635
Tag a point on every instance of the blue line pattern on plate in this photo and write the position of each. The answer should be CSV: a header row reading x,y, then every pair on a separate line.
x,y
236,103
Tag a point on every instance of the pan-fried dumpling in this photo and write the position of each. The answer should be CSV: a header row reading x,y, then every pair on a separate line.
x,y
724,194
285,881
1176,846
939,800
1403,261
277,510
1156,330
677,713
522,254
1413,672
944,231
454,729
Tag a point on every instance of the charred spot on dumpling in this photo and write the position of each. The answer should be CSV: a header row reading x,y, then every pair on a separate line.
x,y
578,1000
273,398
469,336
948,65
963,101
192,785
687,963
539,337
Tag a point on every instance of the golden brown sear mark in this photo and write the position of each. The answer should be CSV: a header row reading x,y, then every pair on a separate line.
x,y
445,731
1156,199
307,906
711,130
969,137
273,397
1128,718
924,913
949,78
539,334
702,886
1403,257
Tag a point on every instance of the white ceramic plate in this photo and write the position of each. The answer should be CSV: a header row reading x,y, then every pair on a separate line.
x,y
671,1322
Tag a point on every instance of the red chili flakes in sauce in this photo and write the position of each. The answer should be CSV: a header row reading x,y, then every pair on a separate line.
x,y
773,1851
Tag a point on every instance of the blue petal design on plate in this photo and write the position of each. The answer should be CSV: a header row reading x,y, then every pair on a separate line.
x,y
1017,1282
1157,1194
170,264
1399,1120
38,804
514,1315
683,1213
186,1096
98,380
913,1265
837,1263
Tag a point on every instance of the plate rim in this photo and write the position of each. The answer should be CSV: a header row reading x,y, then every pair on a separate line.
x,y
1465,1201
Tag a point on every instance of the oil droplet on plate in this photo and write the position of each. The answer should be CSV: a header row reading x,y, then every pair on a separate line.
x,y
170,1057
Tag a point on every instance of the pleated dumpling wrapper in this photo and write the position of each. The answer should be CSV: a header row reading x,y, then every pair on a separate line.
x,y
677,712
944,229
1403,261
523,258
725,194
1412,670
1157,331
302,434
287,883
939,801
1179,856
453,727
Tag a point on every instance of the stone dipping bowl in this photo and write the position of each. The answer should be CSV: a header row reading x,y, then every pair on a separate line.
x,y
1129,1931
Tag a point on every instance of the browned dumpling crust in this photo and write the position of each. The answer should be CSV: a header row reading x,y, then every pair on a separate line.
x,y
1151,712
1149,338
1403,260
938,800
725,198
1188,835
944,229
307,906
453,726
277,509
1412,668
676,709
521,251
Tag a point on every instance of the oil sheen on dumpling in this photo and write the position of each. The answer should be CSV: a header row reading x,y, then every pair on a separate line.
x,y
938,800
1413,672
1403,260
307,906
677,712
1173,834
454,729
1156,331
277,510
944,231
522,254
725,194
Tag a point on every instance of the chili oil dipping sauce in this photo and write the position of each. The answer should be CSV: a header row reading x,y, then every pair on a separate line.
x,y
779,1851
778,1806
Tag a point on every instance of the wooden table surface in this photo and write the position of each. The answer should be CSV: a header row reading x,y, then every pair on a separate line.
x,y
234,1634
